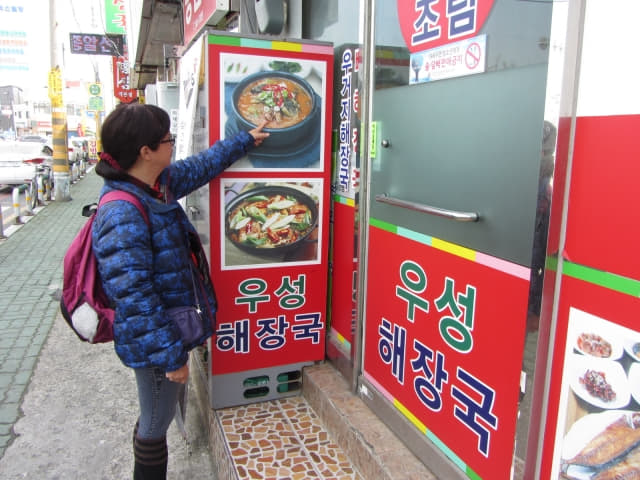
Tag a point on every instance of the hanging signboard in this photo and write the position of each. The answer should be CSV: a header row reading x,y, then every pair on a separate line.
x,y
270,210
122,77
122,80
115,17
197,13
96,44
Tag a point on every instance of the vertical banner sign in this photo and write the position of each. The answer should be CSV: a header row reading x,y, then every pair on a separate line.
x,y
116,22
270,210
188,78
345,187
122,78
439,343
347,170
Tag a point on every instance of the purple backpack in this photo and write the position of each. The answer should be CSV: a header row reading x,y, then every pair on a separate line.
x,y
83,304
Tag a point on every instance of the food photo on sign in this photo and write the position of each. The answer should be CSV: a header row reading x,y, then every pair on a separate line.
x,y
270,222
287,93
601,381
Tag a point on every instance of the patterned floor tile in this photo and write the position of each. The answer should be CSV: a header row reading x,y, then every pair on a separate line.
x,y
282,440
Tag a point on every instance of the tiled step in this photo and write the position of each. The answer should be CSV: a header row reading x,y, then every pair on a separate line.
x,y
281,439
326,433
373,449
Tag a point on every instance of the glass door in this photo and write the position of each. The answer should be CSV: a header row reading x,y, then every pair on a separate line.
x,y
458,92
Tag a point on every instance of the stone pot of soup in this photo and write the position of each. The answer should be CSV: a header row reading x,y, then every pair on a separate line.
x,y
271,219
286,100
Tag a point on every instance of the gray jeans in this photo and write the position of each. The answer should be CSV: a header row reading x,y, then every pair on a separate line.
x,y
158,397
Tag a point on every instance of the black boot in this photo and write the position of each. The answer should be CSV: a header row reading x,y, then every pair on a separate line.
x,y
135,433
150,459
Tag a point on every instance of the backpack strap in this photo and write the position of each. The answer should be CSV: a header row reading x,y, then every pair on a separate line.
x,y
127,197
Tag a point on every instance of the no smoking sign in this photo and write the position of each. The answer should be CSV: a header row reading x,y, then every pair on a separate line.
x,y
473,55
456,59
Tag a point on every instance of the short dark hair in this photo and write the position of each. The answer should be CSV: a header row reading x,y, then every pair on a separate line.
x,y
128,128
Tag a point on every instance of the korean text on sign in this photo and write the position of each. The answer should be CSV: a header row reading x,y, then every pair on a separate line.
x,y
271,331
473,400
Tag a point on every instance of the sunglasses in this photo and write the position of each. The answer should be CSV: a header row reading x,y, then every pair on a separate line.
x,y
171,140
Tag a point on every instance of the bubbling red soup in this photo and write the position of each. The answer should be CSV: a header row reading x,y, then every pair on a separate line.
x,y
281,101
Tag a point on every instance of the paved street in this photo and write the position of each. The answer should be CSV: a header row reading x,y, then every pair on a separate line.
x,y
31,266
66,407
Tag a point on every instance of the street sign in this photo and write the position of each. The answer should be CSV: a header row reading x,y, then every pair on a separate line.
x,y
55,83
95,89
96,104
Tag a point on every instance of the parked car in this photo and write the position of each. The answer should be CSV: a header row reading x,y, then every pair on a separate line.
x,y
22,163
33,138
83,143
75,152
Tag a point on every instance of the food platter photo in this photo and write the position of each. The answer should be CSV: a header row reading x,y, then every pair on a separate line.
x,y
634,381
601,383
594,336
632,346
599,345
272,222
601,445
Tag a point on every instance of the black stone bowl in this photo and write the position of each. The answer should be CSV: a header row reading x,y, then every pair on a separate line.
x,y
291,136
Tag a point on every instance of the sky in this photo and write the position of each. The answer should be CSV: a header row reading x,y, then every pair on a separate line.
x,y
28,22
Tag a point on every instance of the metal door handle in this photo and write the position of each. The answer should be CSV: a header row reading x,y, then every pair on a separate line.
x,y
419,207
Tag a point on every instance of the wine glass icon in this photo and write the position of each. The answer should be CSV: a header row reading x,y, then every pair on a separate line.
x,y
416,64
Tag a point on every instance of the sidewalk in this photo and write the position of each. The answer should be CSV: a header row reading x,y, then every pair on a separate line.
x,y
67,408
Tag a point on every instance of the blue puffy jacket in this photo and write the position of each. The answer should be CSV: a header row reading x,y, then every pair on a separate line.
x,y
146,269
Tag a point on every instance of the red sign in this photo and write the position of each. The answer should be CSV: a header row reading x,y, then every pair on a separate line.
x,y
427,24
344,268
444,339
269,220
121,80
195,14
269,318
605,193
616,311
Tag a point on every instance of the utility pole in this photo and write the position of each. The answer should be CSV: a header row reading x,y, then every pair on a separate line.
x,y
98,113
61,176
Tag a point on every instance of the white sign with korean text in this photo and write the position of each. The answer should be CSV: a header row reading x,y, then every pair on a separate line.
x,y
452,60
190,65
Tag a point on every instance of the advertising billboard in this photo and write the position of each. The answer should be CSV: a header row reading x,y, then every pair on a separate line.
x,y
270,210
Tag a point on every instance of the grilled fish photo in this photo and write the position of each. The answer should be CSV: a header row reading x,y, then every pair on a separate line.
x,y
627,469
616,440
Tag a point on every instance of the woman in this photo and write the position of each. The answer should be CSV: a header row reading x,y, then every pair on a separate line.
x,y
149,266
